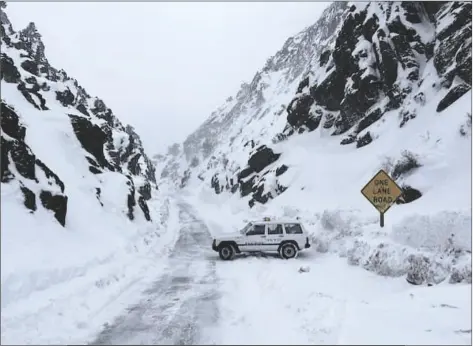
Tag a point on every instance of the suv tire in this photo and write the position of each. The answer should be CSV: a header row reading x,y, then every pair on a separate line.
x,y
288,251
226,252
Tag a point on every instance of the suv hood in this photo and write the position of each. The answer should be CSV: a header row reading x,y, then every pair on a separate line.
x,y
230,235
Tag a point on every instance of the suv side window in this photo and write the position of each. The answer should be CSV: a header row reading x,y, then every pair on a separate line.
x,y
274,229
256,230
293,228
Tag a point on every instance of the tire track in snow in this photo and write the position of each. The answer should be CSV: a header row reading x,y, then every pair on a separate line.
x,y
182,303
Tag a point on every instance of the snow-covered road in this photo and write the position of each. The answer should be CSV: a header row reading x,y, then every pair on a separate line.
x,y
179,306
264,300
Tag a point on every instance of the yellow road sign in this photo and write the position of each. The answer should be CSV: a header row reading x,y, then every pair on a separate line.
x,y
382,191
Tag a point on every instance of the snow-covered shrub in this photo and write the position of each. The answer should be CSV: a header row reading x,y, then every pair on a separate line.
x,y
423,269
386,260
461,274
439,232
332,220
405,164
427,249
357,252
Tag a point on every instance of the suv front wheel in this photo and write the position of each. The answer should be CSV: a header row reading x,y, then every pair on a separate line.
x,y
226,252
288,250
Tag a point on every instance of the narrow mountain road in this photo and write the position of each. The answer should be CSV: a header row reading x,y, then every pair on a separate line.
x,y
182,303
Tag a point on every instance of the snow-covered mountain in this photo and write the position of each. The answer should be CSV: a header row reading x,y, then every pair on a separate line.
x,y
78,190
339,77
33,90
368,86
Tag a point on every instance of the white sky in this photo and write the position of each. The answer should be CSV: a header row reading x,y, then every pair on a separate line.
x,y
163,67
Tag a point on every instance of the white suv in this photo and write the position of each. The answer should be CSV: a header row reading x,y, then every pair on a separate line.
x,y
285,238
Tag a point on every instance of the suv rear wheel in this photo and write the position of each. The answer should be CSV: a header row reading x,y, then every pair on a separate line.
x,y
226,252
288,250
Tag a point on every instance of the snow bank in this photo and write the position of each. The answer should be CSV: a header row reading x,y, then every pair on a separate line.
x,y
66,294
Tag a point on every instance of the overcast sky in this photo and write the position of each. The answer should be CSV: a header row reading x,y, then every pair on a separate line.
x,y
163,67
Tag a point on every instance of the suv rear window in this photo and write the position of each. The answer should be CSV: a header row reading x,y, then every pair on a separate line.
x,y
293,228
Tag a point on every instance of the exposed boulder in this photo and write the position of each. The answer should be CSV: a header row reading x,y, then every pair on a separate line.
x,y
324,57
92,139
281,170
263,157
22,157
50,175
9,72
145,190
364,140
144,207
30,66
10,123
454,94
131,202
409,194
298,113
65,97
215,184
55,203
246,172
29,198
246,187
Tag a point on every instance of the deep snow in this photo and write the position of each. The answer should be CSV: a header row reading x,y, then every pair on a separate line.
x,y
66,294
102,265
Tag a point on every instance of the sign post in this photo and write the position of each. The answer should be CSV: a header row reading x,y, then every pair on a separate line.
x,y
382,192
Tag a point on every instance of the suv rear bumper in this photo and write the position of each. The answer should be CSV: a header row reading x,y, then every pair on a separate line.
x,y
214,245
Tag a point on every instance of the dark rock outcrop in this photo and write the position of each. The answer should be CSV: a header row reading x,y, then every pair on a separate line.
x,y
29,198
364,140
281,170
55,203
263,157
9,72
454,94
369,62
92,139
409,194
66,98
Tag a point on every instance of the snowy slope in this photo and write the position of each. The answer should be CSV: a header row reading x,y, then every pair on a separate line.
x,y
387,85
82,218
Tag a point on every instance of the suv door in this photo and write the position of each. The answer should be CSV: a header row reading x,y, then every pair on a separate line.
x,y
295,232
254,239
275,236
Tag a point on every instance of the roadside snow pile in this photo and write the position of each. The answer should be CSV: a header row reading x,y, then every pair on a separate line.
x,y
426,248
67,294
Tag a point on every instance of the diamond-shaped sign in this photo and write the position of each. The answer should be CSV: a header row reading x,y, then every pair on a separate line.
x,y
382,191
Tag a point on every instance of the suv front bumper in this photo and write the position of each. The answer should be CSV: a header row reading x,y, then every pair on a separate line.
x,y
214,245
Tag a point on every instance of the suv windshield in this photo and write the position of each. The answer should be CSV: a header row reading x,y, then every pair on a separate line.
x,y
246,228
